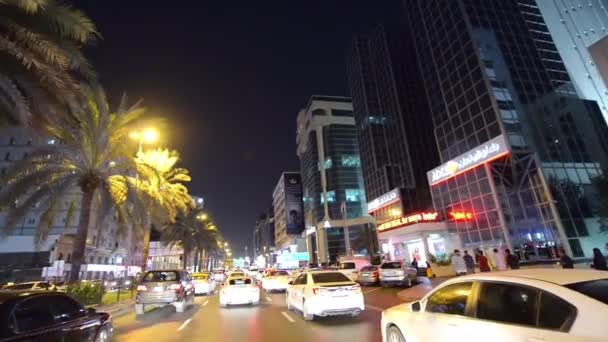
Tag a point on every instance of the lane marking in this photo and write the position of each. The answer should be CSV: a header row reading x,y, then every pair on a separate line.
x,y
372,290
375,308
181,327
268,299
205,303
287,317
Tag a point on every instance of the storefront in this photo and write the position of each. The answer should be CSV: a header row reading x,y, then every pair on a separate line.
x,y
416,236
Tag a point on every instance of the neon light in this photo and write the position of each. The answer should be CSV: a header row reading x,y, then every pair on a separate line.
x,y
484,153
408,220
384,200
471,167
461,215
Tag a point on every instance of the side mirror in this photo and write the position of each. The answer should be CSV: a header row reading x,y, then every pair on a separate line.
x,y
91,311
415,306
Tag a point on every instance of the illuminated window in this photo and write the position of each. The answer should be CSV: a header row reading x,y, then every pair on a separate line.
x,y
351,161
331,197
354,195
328,163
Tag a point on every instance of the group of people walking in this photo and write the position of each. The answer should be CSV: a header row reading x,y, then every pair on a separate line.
x,y
499,260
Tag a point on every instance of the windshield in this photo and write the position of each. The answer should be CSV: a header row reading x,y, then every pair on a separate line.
x,y
347,266
278,273
329,277
369,268
240,281
160,276
390,265
200,277
596,289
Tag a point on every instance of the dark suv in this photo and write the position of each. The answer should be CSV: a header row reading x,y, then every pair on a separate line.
x,y
159,288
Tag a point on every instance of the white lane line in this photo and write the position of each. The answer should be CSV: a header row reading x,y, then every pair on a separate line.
x,y
205,303
287,317
181,327
372,290
268,299
375,308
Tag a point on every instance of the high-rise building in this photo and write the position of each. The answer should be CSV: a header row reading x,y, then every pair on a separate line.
x,y
21,257
580,32
264,249
394,126
288,213
333,193
490,69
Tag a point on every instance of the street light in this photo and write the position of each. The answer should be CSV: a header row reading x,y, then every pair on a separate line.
x,y
147,136
202,217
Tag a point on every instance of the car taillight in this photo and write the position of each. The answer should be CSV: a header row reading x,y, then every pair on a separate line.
x,y
376,273
175,287
142,288
317,290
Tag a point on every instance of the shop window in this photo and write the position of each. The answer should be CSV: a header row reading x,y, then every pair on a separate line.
x,y
351,161
354,195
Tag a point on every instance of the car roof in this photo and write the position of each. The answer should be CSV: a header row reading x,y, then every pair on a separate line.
x,y
6,295
322,271
551,275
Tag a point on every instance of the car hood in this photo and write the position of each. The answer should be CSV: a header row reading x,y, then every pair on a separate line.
x,y
405,307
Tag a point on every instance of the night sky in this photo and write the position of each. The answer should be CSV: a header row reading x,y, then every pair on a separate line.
x,y
230,76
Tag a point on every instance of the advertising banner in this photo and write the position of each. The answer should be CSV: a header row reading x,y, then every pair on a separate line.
x,y
294,210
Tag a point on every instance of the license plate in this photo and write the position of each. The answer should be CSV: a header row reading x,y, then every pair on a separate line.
x,y
365,274
158,289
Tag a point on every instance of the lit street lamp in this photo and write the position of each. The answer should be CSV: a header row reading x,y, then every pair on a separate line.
x,y
147,136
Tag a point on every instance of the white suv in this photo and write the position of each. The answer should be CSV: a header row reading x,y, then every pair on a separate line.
x,y
324,293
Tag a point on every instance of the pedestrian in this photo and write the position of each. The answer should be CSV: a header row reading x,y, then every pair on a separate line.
x,y
415,263
499,260
469,262
565,260
484,265
512,260
458,263
599,261
429,271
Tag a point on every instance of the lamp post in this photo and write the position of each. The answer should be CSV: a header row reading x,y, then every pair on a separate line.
x,y
146,136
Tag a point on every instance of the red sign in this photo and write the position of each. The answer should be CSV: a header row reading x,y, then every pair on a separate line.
x,y
407,220
461,215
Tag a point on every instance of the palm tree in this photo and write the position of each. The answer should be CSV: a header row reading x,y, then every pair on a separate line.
x,y
192,233
41,62
165,195
94,158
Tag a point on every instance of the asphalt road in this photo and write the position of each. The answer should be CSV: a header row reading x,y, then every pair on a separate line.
x,y
268,321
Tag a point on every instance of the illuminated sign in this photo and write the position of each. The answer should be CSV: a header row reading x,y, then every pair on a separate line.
x,y
489,151
407,220
384,200
461,215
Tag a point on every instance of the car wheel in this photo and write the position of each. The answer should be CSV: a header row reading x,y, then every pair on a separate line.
x,y
307,316
383,284
180,306
102,335
394,335
408,282
139,309
355,314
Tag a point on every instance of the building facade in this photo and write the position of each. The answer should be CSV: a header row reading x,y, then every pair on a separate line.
x,y
107,252
333,192
580,32
488,65
264,239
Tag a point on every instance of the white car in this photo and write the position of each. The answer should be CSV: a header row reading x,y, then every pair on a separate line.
x,y
521,305
203,284
324,293
397,273
219,276
235,274
276,281
239,290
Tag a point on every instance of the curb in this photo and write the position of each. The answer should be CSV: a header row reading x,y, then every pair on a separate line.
x,y
117,310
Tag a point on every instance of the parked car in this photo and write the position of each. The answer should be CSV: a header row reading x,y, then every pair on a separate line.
x,y
50,316
203,284
31,286
324,293
397,273
350,266
369,275
519,305
276,280
158,288
239,290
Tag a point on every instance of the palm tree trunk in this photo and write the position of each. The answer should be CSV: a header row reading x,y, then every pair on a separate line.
x,y
185,258
146,251
80,241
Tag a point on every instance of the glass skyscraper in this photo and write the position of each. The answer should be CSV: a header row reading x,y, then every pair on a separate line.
x,y
332,182
496,87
